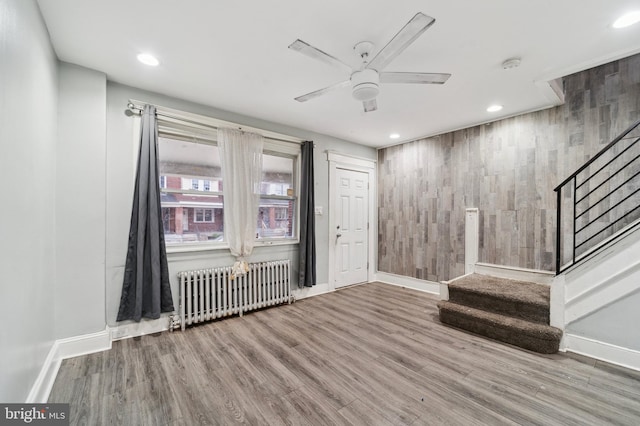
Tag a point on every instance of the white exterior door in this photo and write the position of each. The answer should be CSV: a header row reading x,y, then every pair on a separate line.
x,y
352,213
185,219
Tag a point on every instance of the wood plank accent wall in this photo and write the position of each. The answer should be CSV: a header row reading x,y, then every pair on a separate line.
x,y
507,169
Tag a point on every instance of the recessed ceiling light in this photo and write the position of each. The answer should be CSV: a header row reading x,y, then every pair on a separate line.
x,y
627,19
148,59
394,136
494,108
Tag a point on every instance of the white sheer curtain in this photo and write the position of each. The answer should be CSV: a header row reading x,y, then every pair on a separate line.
x,y
241,157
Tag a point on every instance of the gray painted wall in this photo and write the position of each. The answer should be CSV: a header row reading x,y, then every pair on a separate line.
x,y
28,113
507,169
80,202
68,168
616,324
120,177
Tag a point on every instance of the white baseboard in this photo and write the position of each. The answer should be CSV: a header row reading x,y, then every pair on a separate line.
x,y
409,282
85,344
129,329
444,291
63,349
452,280
318,289
607,352
444,286
514,273
40,390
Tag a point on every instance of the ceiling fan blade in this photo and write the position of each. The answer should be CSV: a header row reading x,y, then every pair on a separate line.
x,y
414,77
315,53
320,92
407,35
371,105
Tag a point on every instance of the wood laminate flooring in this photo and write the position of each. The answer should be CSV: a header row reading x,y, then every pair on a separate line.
x,y
373,354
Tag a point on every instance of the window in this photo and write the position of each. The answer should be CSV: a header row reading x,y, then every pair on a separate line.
x,y
191,187
204,215
191,212
282,213
277,200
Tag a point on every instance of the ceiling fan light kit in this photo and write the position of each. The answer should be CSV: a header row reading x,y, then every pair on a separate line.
x,y
365,82
365,85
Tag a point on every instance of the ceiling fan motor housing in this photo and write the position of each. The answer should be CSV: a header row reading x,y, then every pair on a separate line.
x,y
365,84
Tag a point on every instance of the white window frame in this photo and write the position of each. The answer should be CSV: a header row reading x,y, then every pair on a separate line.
x,y
281,151
174,124
204,214
280,210
186,187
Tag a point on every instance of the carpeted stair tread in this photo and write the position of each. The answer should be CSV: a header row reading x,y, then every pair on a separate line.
x,y
518,291
519,299
536,337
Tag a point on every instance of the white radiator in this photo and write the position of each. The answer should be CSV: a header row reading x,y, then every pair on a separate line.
x,y
207,294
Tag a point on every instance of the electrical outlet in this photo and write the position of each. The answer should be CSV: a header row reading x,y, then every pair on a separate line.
x,y
318,210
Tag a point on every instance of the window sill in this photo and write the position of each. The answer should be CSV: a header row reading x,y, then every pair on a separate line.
x,y
195,248
268,243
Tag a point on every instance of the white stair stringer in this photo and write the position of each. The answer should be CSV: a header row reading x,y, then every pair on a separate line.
x,y
594,294
616,286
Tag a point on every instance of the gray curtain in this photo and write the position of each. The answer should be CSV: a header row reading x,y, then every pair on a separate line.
x,y
146,291
307,276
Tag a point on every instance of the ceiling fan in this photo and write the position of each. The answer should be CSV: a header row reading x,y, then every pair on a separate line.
x,y
366,80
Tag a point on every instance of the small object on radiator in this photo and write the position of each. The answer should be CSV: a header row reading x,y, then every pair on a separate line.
x,y
207,294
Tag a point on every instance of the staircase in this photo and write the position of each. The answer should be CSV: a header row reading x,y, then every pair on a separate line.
x,y
600,202
596,289
514,312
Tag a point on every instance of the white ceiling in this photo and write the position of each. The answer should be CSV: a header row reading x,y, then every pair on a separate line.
x,y
233,55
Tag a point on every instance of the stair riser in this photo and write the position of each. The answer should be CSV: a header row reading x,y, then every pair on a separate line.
x,y
497,332
521,310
